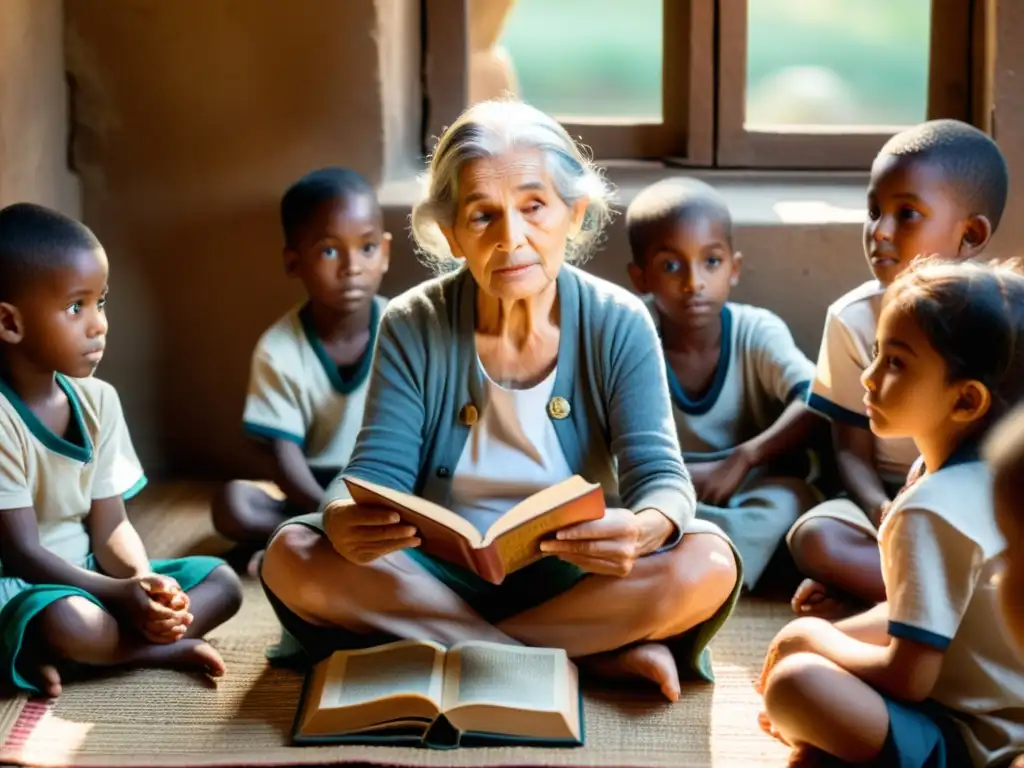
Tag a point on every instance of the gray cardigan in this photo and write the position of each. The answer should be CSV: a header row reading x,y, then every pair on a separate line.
x,y
610,371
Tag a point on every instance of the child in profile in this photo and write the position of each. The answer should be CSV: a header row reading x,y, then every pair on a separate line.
x,y
937,189
926,678
76,584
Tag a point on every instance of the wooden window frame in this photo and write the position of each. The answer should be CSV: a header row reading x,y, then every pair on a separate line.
x,y
951,87
686,132
704,101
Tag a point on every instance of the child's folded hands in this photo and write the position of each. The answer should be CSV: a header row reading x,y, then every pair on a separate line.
x,y
167,616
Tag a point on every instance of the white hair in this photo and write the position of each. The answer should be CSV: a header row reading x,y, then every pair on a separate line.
x,y
491,129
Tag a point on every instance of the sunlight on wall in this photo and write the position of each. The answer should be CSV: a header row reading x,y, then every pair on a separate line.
x,y
817,212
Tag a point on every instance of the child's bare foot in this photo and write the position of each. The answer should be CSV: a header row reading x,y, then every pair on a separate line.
x,y
651,661
812,598
194,655
49,680
765,724
253,566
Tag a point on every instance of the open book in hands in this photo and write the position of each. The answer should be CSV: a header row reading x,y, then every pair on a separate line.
x,y
511,543
414,692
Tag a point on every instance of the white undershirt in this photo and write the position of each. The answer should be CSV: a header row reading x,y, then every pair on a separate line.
x,y
512,451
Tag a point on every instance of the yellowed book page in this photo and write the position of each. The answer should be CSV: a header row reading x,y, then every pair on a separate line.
x,y
511,690
353,690
365,492
538,504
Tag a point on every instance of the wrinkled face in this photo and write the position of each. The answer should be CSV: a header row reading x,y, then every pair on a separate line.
x,y
342,254
510,225
59,323
912,212
689,269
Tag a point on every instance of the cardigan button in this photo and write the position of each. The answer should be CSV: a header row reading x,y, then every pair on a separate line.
x,y
558,408
443,472
469,415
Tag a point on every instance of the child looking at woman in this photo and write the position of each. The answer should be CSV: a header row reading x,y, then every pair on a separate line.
x,y
923,679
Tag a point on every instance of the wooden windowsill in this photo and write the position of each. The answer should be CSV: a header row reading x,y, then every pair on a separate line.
x,y
755,198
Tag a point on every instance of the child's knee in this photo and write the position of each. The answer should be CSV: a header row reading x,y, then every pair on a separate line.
x,y
76,628
229,509
790,684
229,589
812,545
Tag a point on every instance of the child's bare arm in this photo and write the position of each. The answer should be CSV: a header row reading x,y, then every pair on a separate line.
x,y
25,557
116,544
855,452
295,477
717,482
872,626
792,430
902,668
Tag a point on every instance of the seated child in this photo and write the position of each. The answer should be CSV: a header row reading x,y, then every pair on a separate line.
x,y
76,585
310,370
927,678
736,376
937,189
1005,453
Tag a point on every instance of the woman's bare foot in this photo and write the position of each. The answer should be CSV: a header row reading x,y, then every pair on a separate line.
x,y
49,680
651,661
812,598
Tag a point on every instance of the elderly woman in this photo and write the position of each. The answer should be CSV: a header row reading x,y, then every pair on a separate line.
x,y
503,376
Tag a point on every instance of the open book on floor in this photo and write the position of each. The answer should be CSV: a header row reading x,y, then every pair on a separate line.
x,y
511,543
413,692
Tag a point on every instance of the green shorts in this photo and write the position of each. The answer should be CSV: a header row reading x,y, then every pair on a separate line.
x,y
21,602
537,583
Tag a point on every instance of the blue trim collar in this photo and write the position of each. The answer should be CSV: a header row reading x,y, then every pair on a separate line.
x,y
707,401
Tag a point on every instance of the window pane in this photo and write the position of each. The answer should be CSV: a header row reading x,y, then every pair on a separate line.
x,y
585,60
837,62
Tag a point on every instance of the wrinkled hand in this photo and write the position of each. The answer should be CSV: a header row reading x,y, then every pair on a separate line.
x,y
722,478
609,546
362,534
795,637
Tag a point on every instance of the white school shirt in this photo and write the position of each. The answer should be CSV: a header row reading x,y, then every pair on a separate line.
x,y
297,393
941,555
847,347
59,476
760,370
512,451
